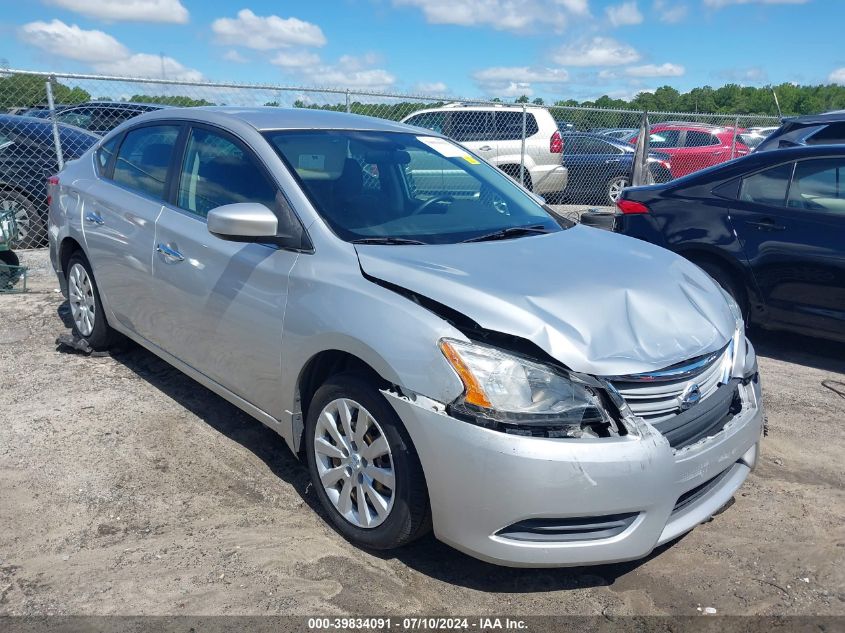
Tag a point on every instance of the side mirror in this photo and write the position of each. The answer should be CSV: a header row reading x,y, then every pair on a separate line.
x,y
243,221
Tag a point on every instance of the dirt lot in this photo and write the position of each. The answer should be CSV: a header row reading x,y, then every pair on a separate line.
x,y
127,488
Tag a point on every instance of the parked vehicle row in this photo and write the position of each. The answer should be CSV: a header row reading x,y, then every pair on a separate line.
x,y
441,354
27,158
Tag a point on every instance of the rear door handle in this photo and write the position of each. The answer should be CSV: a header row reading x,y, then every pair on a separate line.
x,y
766,225
611,160
485,148
170,255
94,218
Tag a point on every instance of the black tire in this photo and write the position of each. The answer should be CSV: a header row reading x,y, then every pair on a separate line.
x,y
101,335
9,275
728,283
32,231
409,518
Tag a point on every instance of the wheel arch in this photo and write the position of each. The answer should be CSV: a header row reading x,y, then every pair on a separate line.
x,y
738,273
316,371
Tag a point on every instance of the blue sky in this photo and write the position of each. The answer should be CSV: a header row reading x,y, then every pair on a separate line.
x,y
556,49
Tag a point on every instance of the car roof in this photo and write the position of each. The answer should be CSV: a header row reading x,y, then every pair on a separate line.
x,y
826,117
118,104
453,107
272,118
25,123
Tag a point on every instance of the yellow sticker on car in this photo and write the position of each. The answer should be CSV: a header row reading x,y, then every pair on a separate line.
x,y
470,160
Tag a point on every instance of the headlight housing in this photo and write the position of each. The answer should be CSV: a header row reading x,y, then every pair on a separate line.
x,y
516,395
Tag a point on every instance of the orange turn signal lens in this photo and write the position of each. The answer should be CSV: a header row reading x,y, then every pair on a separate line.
x,y
473,393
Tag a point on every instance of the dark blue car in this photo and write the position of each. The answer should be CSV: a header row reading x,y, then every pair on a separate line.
x,y
769,227
600,167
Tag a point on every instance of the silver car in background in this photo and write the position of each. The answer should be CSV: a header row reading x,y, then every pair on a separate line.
x,y
442,351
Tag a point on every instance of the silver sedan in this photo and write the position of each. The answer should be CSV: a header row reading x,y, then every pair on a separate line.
x,y
438,346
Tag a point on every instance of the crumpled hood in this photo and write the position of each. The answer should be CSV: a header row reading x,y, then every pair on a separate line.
x,y
600,303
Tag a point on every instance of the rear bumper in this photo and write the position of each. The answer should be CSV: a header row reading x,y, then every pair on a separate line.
x,y
482,481
549,178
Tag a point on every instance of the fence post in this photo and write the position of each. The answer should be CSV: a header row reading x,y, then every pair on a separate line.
x,y
348,105
522,153
56,138
733,140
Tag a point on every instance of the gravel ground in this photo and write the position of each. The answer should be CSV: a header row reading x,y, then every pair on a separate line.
x,y
127,488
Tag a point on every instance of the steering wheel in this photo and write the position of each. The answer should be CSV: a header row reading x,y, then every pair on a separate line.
x,y
444,197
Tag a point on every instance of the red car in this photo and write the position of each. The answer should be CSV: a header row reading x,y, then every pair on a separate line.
x,y
694,146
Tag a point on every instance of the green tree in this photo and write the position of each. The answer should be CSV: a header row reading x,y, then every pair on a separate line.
x,y
20,90
174,100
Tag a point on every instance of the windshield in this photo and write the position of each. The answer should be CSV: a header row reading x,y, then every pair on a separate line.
x,y
402,188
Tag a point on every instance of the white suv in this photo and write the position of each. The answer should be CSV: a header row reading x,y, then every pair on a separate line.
x,y
495,134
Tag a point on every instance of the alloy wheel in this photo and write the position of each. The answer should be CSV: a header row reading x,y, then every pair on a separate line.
x,y
615,188
21,215
82,302
354,463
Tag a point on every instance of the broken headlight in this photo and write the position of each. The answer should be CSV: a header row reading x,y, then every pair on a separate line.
x,y
513,394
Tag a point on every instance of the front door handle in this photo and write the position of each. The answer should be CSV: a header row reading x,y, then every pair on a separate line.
x,y
611,160
485,148
170,254
94,218
766,224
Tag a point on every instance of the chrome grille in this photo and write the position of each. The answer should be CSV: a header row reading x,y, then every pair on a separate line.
x,y
658,396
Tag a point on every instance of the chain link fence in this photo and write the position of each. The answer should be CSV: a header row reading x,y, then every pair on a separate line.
x,y
570,155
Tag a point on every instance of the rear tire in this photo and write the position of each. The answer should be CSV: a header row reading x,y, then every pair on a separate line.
x,y
344,458
9,275
89,319
32,232
513,172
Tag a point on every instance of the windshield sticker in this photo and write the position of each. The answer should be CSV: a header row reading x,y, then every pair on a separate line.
x,y
312,161
447,149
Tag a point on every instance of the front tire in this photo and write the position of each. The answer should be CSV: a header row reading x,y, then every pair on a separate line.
x,y
363,465
89,319
729,284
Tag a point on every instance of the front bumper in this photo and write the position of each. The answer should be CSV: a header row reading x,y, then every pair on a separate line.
x,y
481,481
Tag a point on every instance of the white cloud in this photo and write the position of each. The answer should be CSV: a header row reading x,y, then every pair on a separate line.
x,y
624,14
350,71
653,70
718,4
509,81
670,11
127,10
598,51
146,65
234,56
266,33
503,15
431,88
753,75
72,42
101,51
302,59
837,76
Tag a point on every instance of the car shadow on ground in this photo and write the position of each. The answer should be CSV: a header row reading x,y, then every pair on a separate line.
x,y
801,350
427,555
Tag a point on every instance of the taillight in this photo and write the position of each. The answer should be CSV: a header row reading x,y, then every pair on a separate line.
x,y
52,181
629,207
556,143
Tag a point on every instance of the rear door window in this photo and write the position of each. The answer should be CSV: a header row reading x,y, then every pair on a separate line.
x,y
819,185
105,153
767,187
144,157
509,126
700,139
